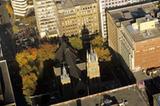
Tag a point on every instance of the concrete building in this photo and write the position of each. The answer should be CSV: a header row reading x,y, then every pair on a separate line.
x,y
73,14
6,91
47,18
125,96
22,7
104,4
134,33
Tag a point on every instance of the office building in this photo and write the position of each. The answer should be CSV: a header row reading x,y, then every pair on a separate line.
x,y
22,7
134,33
107,4
46,17
74,14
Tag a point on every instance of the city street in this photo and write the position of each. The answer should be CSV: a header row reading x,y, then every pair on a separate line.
x,y
7,42
4,13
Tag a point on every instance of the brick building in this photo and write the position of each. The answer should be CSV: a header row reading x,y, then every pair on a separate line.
x,y
134,33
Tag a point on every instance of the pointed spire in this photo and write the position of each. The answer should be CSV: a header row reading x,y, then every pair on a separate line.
x,y
1,52
96,56
64,72
91,49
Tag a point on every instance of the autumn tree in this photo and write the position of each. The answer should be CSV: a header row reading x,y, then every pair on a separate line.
x,y
31,65
97,41
103,54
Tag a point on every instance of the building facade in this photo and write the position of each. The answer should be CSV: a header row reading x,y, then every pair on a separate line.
x,y
22,7
46,17
133,33
104,4
74,14
6,89
93,70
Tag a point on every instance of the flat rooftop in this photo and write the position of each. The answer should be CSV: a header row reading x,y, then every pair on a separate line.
x,y
138,35
138,14
129,93
65,4
141,76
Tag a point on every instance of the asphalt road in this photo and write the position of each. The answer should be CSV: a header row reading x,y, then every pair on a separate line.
x,y
7,42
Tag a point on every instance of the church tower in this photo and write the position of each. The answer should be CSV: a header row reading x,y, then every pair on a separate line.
x,y
66,88
65,79
93,70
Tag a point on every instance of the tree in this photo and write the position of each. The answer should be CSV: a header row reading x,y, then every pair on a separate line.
x,y
31,65
29,82
103,54
46,52
76,42
97,41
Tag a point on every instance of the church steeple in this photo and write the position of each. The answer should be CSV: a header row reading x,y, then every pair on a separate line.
x,y
65,79
93,70
1,52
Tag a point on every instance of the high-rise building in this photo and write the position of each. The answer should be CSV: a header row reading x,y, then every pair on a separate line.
x,y
22,7
74,14
104,4
47,18
134,33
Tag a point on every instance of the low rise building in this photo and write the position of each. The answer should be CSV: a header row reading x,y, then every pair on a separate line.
x,y
124,96
134,33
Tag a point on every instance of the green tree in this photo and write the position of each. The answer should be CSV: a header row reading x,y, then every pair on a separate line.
x,y
76,42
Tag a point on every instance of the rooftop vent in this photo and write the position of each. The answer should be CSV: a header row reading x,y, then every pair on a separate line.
x,y
148,17
158,14
127,15
146,34
123,103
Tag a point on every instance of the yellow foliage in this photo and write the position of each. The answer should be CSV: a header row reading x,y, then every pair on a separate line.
x,y
29,84
22,58
103,54
46,52
97,42
9,8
